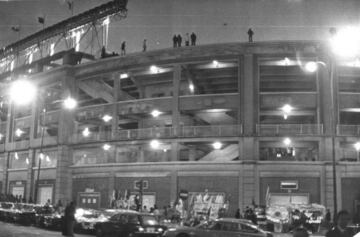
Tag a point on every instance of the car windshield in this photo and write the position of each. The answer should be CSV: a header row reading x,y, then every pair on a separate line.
x,y
149,220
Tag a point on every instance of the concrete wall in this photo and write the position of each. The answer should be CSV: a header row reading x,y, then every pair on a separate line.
x,y
213,21
350,191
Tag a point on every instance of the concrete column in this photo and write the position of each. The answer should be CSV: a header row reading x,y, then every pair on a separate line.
x,y
111,183
115,110
6,173
34,119
249,104
175,98
173,186
10,124
63,183
174,151
30,185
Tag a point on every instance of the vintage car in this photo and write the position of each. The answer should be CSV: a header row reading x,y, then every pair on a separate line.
x,y
23,213
40,213
87,218
130,223
220,227
6,209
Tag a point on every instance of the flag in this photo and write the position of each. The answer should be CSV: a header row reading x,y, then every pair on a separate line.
x,y
15,28
267,195
41,20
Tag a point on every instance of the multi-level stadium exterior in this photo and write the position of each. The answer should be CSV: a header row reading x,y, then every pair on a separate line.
x,y
233,93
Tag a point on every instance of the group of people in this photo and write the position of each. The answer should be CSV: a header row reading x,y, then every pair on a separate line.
x,y
248,214
189,40
14,198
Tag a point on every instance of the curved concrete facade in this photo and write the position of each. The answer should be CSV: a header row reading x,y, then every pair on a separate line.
x,y
237,95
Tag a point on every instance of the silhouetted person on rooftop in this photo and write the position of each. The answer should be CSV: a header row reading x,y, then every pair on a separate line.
x,y
250,33
179,40
175,41
123,48
193,39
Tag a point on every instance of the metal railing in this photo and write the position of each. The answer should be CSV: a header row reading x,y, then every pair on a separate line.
x,y
210,131
348,130
293,129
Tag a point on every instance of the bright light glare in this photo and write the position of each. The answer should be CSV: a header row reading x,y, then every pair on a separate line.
x,y
155,113
70,103
311,67
22,92
154,144
357,146
41,156
27,161
86,132
217,145
106,118
191,87
1,136
106,147
346,42
16,156
154,69
287,141
47,158
215,63
287,108
19,132
124,75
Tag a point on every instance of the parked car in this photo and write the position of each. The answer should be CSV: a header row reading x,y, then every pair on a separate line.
x,y
40,213
130,223
87,218
23,213
53,221
6,208
229,227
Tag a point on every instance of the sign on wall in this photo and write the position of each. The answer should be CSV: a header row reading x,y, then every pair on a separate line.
x,y
89,199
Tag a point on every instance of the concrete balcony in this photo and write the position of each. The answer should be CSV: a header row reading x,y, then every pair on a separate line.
x,y
348,130
289,129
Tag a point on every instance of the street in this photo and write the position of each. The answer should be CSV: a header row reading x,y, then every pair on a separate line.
x,y
13,230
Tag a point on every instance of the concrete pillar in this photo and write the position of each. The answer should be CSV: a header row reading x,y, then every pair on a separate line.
x,y
63,183
249,108
174,151
115,110
6,173
175,98
30,185
173,186
9,124
111,184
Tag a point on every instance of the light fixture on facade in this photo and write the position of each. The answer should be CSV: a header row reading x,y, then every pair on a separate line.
x,y
155,113
1,136
106,147
311,67
86,132
106,118
215,63
47,158
286,61
22,92
19,132
16,156
357,146
286,110
154,69
191,87
70,103
287,141
217,145
27,161
155,144
124,75
41,156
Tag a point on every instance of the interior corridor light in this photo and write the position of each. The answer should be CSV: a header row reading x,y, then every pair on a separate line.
x,y
346,42
1,136
154,144
19,132
287,108
27,161
357,146
16,156
70,103
217,145
287,141
106,118
41,156
124,75
215,63
106,147
154,69
311,67
22,92
47,158
155,113
191,87
86,132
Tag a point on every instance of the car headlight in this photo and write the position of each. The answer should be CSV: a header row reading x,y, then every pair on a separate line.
x,y
160,229
171,229
140,229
